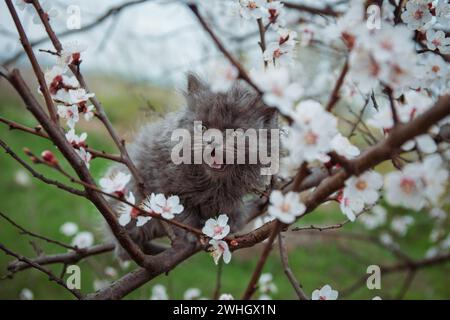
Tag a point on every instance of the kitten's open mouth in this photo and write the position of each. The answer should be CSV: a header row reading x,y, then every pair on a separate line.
x,y
216,165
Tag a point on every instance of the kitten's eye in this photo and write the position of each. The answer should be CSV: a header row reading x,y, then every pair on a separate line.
x,y
199,128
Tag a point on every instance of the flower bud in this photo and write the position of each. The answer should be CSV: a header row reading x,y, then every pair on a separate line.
x,y
49,157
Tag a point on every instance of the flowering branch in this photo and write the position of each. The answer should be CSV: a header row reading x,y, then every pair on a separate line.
x,y
113,11
242,73
34,63
373,156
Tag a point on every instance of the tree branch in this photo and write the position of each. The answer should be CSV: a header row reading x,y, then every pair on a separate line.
x,y
51,276
65,258
287,269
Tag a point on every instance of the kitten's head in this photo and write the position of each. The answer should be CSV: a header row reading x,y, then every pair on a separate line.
x,y
236,114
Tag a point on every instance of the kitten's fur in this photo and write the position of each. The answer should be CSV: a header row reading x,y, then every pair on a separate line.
x,y
203,193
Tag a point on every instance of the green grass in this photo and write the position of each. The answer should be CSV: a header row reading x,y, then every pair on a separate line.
x,y
315,260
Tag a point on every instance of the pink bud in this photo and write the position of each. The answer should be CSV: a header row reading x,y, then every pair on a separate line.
x,y
49,157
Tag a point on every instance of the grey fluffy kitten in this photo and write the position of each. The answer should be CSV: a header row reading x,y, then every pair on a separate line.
x,y
204,191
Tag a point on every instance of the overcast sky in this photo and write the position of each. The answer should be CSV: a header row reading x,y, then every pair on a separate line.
x,y
159,39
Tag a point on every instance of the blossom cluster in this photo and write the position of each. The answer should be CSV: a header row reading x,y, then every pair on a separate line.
x,y
217,229
70,98
115,183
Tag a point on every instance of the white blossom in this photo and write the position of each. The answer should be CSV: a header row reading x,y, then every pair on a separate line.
x,y
344,147
77,96
226,296
159,292
287,207
274,14
192,294
438,40
405,188
224,77
127,213
266,284
312,132
69,229
217,228
75,140
252,9
115,183
350,206
443,12
83,239
417,14
375,218
220,249
365,186
70,113
281,52
26,294
84,155
400,225
110,272
360,191
424,143
438,213
325,293
167,208
22,178
278,89
71,53
386,239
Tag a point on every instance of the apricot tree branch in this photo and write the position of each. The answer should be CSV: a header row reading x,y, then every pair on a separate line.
x,y
40,133
37,175
251,287
34,63
101,114
35,235
65,258
287,269
58,138
111,12
242,73
374,155
37,266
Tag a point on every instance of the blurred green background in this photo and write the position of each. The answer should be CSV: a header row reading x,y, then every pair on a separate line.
x,y
316,258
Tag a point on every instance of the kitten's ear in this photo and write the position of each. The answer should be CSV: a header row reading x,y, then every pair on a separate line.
x,y
194,84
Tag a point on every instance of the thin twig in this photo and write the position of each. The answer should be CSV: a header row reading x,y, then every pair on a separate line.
x,y
40,133
335,96
51,276
218,281
101,114
34,63
64,258
242,73
287,269
39,176
251,287
35,235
